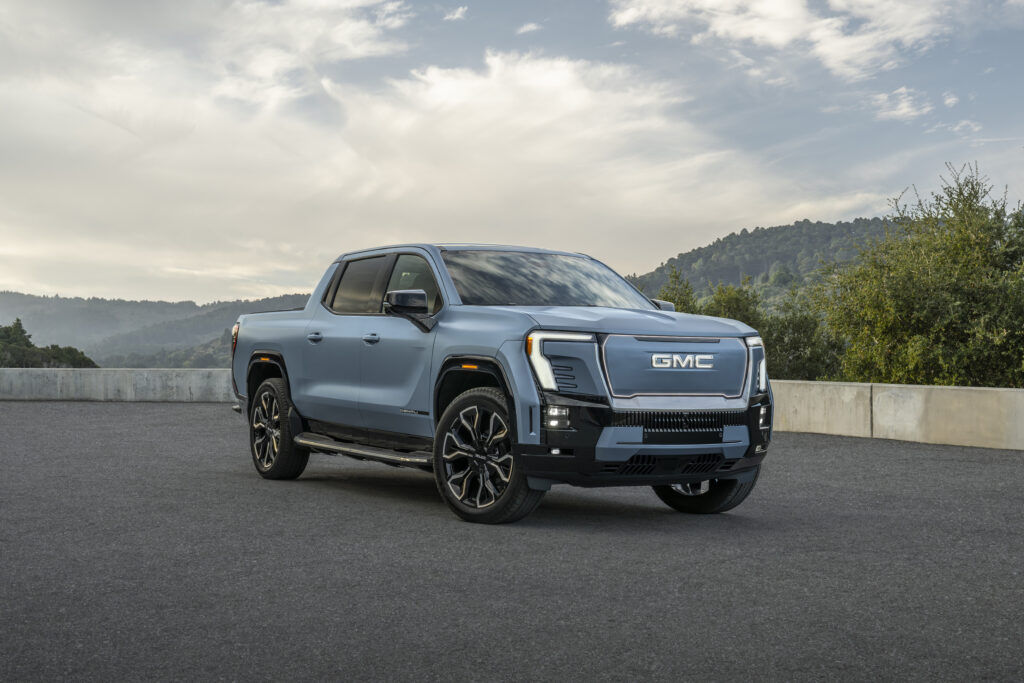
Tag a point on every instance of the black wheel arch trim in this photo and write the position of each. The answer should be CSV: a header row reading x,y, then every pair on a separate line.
x,y
266,358
485,364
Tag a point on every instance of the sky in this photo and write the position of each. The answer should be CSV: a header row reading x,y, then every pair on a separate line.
x,y
212,150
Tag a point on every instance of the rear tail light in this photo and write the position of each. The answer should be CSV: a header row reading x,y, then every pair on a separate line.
x,y
234,339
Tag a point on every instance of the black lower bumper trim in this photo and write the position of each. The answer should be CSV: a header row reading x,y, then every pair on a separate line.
x,y
580,470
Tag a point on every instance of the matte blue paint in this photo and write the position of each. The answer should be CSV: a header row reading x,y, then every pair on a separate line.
x,y
388,385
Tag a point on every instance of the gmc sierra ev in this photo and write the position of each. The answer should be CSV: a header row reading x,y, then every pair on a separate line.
x,y
503,371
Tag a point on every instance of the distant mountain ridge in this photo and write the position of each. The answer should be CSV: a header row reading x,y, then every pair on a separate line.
x,y
105,328
775,258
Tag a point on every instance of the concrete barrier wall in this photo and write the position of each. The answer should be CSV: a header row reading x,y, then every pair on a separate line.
x,y
962,416
842,408
115,384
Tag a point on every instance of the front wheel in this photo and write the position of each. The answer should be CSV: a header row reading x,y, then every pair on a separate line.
x,y
474,466
706,497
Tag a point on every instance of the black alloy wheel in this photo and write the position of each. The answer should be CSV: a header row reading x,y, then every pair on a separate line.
x,y
270,436
474,462
266,430
477,458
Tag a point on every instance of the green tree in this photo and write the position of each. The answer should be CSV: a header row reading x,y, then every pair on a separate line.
x,y
939,299
741,303
797,342
679,292
18,351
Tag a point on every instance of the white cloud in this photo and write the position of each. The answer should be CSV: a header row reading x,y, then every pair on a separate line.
x,y
456,14
964,129
902,104
528,28
949,99
852,38
137,172
267,53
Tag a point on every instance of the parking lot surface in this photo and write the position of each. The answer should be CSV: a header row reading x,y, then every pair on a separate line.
x,y
137,542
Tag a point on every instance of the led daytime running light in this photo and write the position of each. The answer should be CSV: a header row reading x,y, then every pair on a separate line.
x,y
541,365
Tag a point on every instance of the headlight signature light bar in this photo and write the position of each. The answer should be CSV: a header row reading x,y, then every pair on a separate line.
x,y
541,365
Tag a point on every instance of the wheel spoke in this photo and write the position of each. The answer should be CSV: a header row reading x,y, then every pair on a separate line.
x,y
505,478
473,426
476,458
496,432
459,443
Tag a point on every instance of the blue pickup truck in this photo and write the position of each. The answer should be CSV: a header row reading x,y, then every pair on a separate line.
x,y
505,370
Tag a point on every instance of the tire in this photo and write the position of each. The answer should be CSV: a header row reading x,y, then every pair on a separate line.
x,y
477,474
721,495
274,454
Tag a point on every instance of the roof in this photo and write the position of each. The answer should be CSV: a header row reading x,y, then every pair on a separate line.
x,y
457,246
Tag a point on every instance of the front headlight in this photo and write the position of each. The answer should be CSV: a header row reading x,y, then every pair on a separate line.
x,y
541,365
762,376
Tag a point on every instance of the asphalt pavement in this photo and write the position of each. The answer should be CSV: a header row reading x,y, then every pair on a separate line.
x,y
138,543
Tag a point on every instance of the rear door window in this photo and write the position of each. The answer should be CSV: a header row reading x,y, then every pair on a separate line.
x,y
358,285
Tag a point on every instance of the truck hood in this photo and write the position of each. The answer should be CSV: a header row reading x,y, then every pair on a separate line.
x,y
632,321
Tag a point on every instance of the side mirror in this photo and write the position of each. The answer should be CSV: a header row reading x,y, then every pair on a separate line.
x,y
664,305
406,302
410,304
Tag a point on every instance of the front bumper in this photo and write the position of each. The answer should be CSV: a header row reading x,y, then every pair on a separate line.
x,y
605,447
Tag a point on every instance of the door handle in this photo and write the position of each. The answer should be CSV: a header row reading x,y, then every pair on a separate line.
x,y
371,338
314,337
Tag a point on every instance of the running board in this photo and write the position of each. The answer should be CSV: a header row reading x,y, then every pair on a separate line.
x,y
319,442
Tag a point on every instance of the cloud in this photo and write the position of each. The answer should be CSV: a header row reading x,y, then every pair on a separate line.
x,y
136,169
456,14
528,28
962,128
902,104
949,99
853,39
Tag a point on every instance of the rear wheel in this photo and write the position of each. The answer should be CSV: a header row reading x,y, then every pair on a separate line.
x,y
270,437
707,497
474,466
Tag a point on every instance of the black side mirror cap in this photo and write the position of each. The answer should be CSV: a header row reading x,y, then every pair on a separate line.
x,y
410,304
664,305
406,302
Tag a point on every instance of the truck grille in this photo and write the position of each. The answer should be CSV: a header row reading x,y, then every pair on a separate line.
x,y
675,427
676,421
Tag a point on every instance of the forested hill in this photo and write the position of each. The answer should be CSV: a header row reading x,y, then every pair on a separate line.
x,y
774,258
107,327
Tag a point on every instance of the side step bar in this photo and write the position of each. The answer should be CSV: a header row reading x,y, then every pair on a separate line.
x,y
319,442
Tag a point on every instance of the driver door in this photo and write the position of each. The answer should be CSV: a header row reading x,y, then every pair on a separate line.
x,y
396,391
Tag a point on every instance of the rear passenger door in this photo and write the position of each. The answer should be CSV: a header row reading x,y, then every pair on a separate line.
x,y
335,340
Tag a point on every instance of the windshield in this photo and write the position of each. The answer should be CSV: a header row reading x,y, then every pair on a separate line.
x,y
522,278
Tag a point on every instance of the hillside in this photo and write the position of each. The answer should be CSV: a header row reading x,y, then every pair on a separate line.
x,y
82,322
774,258
198,329
112,330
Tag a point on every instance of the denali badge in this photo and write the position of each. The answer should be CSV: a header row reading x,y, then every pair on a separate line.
x,y
675,360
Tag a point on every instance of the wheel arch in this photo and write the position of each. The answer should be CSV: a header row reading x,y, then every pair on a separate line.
x,y
262,366
462,373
